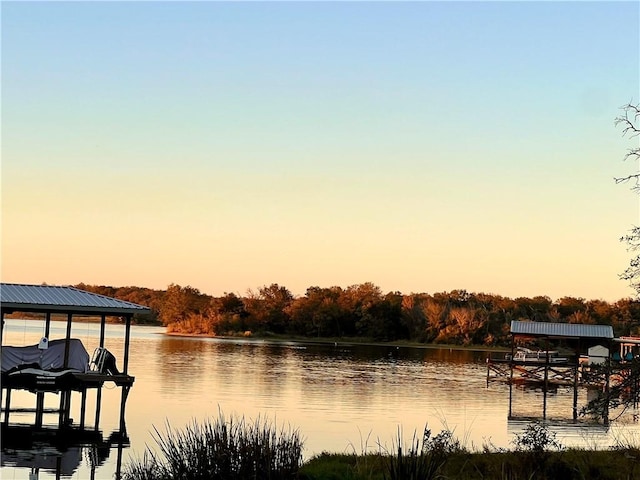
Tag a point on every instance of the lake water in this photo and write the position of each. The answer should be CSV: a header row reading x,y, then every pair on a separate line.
x,y
341,398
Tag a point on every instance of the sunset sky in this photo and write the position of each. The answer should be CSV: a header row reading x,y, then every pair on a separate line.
x,y
422,146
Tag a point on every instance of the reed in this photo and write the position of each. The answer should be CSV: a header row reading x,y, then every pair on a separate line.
x,y
225,448
423,458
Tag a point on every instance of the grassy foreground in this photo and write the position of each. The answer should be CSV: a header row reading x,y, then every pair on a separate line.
x,y
565,465
235,449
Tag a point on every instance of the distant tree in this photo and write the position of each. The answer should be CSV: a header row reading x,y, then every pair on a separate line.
x,y
436,311
383,319
465,323
227,314
140,295
569,306
629,121
180,303
230,303
537,308
600,311
318,313
626,317
360,300
268,308
413,316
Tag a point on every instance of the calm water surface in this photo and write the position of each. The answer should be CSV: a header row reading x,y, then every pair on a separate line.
x,y
342,398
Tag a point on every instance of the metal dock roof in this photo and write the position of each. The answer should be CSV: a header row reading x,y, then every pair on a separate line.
x,y
571,330
62,299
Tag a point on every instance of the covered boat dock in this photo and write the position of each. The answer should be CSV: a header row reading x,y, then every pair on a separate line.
x,y
62,366
546,368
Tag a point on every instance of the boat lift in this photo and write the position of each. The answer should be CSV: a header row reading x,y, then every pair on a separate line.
x,y
71,373
547,369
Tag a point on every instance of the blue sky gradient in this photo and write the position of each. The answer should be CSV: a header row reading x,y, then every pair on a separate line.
x,y
422,146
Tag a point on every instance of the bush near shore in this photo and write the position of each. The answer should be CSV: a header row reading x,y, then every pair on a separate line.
x,y
235,449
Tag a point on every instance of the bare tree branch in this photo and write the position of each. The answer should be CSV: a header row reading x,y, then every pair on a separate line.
x,y
630,123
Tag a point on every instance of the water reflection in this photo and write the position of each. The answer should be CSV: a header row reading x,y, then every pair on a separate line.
x,y
60,453
595,436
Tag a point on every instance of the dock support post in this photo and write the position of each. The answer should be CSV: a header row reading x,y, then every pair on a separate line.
x,y
65,400
96,426
39,409
123,403
546,380
61,410
47,324
636,383
118,474
127,334
7,406
83,407
513,340
98,403
607,386
125,369
575,391
103,321
576,379
65,408
510,386
67,340
1,341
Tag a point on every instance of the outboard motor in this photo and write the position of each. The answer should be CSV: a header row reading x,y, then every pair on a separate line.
x,y
104,362
109,365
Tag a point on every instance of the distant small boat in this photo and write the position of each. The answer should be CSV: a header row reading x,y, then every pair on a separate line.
x,y
540,356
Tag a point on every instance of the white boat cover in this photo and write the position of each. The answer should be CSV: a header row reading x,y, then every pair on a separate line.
x,y
49,359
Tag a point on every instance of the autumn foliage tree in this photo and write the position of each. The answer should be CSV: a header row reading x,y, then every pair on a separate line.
x,y
184,310
363,311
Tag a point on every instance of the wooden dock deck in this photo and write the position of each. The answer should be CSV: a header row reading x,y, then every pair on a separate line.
x,y
556,373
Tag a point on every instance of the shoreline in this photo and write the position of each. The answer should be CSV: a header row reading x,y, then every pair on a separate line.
x,y
345,341
283,339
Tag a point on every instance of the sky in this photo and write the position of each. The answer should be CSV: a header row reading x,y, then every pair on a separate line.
x,y
420,146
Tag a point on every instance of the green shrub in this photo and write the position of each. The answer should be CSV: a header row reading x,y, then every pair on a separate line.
x,y
536,438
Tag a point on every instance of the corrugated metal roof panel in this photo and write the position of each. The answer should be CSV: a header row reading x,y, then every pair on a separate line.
x,y
59,298
550,329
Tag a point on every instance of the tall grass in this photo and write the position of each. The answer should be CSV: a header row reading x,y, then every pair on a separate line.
x,y
423,458
225,448
236,449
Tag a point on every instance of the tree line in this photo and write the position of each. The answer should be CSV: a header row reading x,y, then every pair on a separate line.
x,y
364,311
